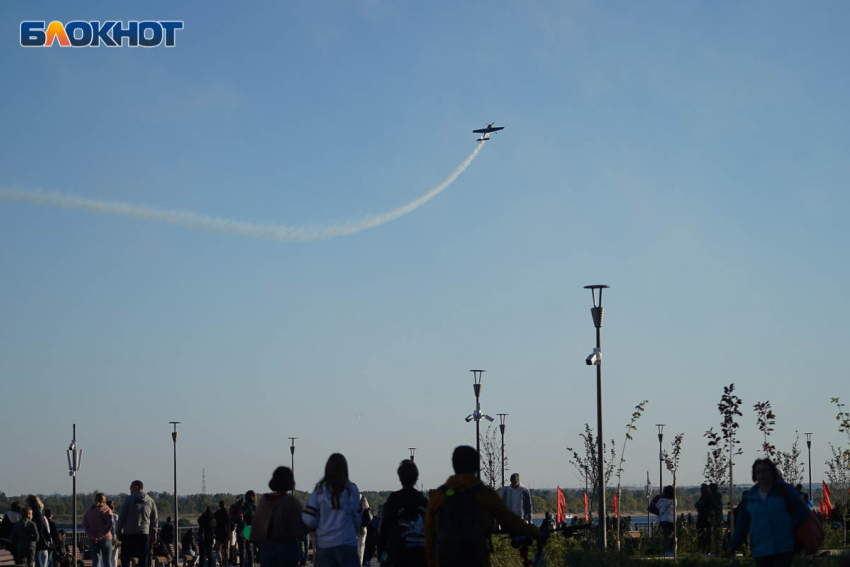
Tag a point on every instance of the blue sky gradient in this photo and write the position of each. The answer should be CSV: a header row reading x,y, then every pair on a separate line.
x,y
692,156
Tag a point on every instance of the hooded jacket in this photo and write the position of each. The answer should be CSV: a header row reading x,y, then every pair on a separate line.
x,y
97,522
768,522
277,520
489,506
9,520
24,535
138,515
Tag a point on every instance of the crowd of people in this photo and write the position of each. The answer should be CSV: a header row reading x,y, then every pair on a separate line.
x,y
274,530
449,528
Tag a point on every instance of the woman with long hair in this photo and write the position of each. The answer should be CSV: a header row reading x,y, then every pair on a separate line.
x,y
277,527
333,510
44,541
97,523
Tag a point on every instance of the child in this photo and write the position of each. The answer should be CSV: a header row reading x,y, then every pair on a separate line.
x,y
24,537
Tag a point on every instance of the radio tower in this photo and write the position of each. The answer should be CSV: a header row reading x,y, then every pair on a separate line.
x,y
203,481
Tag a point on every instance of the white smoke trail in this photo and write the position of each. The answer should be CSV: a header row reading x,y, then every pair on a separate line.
x,y
283,233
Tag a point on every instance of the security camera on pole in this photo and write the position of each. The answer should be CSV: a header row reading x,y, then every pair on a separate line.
x,y
595,359
477,415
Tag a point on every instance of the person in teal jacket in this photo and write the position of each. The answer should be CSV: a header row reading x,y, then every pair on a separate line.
x,y
765,516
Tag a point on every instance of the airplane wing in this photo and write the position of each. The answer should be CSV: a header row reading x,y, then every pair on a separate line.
x,y
488,129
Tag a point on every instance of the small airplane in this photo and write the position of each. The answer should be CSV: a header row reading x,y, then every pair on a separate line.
x,y
485,132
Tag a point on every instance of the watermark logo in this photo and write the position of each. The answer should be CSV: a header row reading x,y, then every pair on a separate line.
x,y
79,33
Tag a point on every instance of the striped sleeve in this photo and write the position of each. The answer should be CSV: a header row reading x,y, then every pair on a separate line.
x,y
310,515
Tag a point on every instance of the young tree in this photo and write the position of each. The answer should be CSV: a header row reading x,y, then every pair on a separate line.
x,y
729,407
491,455
716,462
766,419
672,462
587,465
629,428
839,466
789,463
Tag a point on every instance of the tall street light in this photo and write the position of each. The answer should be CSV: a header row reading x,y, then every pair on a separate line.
x,y
412,451
660,427
292,454
75,456
502,417
477,415
595,359
648,496
809,445
176,512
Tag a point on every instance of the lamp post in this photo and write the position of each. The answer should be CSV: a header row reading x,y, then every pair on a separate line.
x,y
477,415
660,427
412,451
502,417
809,445
596,359
648,496
292,454
176,513
75,456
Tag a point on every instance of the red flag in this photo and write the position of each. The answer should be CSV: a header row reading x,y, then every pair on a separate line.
x,y
586,515
821,507
562,505
826,501
616,511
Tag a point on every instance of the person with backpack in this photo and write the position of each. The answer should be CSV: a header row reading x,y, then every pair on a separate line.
x,y
663,508
248,509
333,510
402,535
460,514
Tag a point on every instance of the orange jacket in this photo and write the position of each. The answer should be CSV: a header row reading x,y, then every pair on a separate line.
x,y
490,506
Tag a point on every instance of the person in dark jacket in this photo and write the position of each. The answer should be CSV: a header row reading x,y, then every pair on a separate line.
x,y
44,541
10,518
223,533
703,506
54,534
25,536
190,548
770,512
402,534
166,536
206,537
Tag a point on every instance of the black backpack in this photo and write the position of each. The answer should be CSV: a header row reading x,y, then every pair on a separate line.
x,y
460,542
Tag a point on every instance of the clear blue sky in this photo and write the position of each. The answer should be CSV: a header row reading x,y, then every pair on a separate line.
x,y
692,156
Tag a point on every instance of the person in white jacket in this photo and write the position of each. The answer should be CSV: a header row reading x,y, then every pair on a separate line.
x,y
333,511
666,518
361,535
